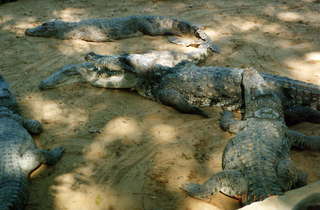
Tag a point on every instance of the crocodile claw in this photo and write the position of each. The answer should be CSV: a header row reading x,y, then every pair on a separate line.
x,y
55,155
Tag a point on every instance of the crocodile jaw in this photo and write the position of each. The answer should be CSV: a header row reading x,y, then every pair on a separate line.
x,y
122,79
67,75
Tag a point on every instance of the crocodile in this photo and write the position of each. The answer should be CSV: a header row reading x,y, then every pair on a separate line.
x,y
19,154
104,30
186,86
256,162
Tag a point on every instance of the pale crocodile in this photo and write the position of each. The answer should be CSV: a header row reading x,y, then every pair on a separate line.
x,y
18,152
102,30
256,162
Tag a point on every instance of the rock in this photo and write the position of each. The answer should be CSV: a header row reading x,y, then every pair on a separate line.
x,y
287,201
217,202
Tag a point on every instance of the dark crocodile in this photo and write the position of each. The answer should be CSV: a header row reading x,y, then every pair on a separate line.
x,y
256,162
186,86
18,152
102,30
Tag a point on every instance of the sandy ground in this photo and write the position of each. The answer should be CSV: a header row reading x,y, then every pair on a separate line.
x,y
122,150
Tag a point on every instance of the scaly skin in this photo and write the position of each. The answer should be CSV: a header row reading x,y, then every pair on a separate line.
x,y
5,96
102,30
185,86
256,162
19,155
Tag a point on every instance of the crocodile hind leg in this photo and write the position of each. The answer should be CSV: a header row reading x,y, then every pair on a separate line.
x,y
229,123
296,114
173,98
229,182
32,158
301,141
33,126
290,177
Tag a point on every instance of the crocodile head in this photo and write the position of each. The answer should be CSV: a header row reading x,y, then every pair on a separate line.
x,y
108,73
47,29
261,99
6,97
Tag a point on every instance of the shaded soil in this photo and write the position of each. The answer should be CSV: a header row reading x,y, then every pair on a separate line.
x,y
122,150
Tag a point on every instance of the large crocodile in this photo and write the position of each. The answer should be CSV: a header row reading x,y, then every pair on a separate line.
x,y
256,162
186,86
101,30
19,154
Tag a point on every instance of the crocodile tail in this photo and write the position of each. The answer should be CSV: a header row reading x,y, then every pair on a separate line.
x,y
296,92
13,193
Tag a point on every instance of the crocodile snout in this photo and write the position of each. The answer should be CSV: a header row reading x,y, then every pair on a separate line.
x,y
43,85
31,31
28,31
37,31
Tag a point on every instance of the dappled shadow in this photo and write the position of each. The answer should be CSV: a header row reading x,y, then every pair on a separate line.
x,y
122,150
134,154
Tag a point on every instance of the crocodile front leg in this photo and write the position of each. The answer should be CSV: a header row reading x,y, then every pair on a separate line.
x,y
230,124
229,182
33,126
301,141
296,114
290,176
173,98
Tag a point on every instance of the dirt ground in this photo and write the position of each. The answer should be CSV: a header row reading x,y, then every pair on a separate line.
x,y
124,151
